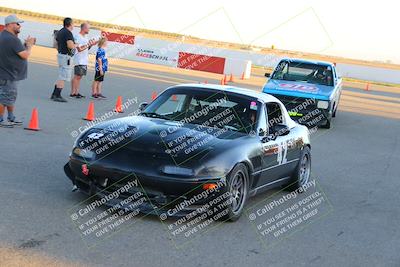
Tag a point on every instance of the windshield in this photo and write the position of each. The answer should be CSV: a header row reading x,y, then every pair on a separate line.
x,y
206,107
304,72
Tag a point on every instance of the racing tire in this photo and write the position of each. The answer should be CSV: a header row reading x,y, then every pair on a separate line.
x,y
327,125
302,173
238,186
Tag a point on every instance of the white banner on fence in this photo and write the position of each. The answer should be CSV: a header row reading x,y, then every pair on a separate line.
x,y
156,56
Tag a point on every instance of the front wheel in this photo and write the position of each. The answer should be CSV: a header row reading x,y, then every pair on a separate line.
x,y
327,125
237,186
334,111
302,173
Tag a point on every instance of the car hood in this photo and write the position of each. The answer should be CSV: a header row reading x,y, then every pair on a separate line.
x,y
158,138
298,89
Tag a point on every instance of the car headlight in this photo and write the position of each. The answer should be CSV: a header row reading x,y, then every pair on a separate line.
x,y
323,104
85,153
174,170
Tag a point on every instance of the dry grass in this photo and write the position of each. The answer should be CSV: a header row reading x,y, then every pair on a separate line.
x,y
12,257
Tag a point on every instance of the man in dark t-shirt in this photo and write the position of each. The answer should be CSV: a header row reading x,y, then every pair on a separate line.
x,y
65,47
63,36
13,67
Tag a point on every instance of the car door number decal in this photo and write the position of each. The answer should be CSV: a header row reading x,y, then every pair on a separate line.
x,y
282,153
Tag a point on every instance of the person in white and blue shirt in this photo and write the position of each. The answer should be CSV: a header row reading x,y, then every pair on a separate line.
x,y
101,69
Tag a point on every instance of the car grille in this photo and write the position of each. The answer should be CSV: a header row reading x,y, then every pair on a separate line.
x,y
298,104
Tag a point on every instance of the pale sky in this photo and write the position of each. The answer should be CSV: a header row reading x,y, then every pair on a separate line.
x,y
356,29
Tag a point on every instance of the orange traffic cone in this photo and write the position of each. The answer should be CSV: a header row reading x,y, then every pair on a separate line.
x,y
153,95
118,105
34,122
242,78
367,87
90,112
225,79
231,78
222,81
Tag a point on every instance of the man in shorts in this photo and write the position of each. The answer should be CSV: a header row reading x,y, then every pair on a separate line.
x,y
81,59
65,47
13,67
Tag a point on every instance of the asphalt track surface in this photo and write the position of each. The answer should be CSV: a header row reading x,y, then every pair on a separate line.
x,y
356,164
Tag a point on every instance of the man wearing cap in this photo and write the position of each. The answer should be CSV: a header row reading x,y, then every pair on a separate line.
x,y
66,48
13,67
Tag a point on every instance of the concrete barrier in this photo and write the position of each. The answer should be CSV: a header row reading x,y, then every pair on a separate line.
x,y
238,68
369,73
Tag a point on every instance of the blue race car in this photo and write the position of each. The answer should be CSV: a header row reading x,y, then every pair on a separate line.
x,y
310,90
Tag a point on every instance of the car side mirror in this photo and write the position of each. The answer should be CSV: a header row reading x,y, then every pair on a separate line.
x,y
262,132
280,130
275,131
267,138
267,74
143,105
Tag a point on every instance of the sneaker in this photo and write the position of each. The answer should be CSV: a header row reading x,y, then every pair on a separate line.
x,y
101,96
79,96
59,99
15,122
52,96
95,96
72,96
6,124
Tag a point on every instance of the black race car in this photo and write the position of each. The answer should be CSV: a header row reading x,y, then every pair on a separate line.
x,y
191,144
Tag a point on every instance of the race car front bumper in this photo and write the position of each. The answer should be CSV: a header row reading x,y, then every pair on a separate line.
x,y
313,117
307,111
162,195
